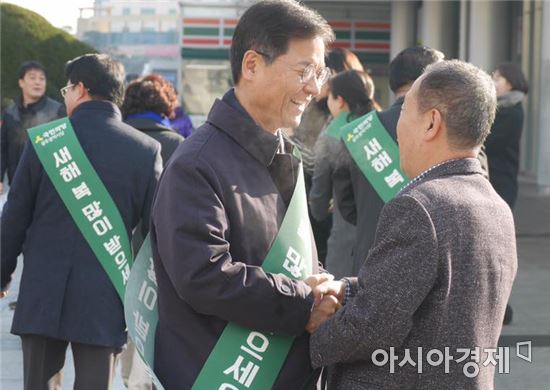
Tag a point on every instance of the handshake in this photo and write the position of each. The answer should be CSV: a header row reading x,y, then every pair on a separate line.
x,y
329,296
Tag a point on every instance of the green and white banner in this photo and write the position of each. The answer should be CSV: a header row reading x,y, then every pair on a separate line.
x,y
86,198
242,358
140,307
375,153
334,128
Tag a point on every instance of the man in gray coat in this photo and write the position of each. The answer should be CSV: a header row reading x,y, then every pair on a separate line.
x,y
428,304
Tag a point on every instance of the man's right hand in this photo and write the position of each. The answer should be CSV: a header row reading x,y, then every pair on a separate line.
x,y
322,312
3,294
1,188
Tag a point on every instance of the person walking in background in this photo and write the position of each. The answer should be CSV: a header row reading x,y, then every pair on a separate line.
x,y
30,109
149,103
66,296
181,122
356,198
502,144
444,258
351,94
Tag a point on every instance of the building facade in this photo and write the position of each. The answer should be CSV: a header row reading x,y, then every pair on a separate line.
x,y
196,35
135,31
487,33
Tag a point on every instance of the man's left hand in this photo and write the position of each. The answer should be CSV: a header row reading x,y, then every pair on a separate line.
x,y
316,282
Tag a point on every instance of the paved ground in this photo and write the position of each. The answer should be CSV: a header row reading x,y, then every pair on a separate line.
x,y
530,300
531,294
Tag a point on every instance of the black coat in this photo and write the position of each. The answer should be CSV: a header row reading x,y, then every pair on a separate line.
x,y
218,208
168,138
356,198
64,292
502,147
15,122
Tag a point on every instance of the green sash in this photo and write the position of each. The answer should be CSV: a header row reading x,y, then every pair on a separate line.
x,y
140,307
86,198
242,358
334,128
375,153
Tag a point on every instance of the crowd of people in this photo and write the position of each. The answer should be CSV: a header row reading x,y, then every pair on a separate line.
x,y
328,282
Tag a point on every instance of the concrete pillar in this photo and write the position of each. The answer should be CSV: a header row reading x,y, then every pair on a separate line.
x,y
488,36
403,26
464,30
439,26
543,171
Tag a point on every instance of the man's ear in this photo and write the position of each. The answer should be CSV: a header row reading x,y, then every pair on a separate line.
x,y
435,125
252,61
20,83
341,102
82,91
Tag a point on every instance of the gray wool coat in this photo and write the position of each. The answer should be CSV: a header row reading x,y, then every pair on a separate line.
x,y
439,275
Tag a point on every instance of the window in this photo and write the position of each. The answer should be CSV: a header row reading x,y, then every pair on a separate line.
x,y
126,11
147,11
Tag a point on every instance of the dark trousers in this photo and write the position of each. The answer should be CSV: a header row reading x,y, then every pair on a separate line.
x,y
44,357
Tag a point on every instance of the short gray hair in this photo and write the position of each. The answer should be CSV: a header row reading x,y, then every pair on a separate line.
x,y
466,97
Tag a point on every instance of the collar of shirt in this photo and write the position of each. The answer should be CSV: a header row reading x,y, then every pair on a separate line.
x,y
153,116
468,165
230,116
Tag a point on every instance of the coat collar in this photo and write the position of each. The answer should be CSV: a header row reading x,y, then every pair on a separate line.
x,y
36,106
464,166
147,124
398,102
237,123
98,105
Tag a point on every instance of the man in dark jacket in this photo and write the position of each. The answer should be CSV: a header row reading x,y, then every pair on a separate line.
x,y
223,196
356,198
65,295
444,258
30,109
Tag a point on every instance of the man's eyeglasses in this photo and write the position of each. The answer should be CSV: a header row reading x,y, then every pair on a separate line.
x,y
309,73
65,89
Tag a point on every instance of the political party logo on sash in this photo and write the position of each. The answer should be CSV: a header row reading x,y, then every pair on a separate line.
x,y
242,358
376,154
85,196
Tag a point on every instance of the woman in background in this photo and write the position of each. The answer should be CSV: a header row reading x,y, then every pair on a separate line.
x,y
149,103
314,120
502,144
350,96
